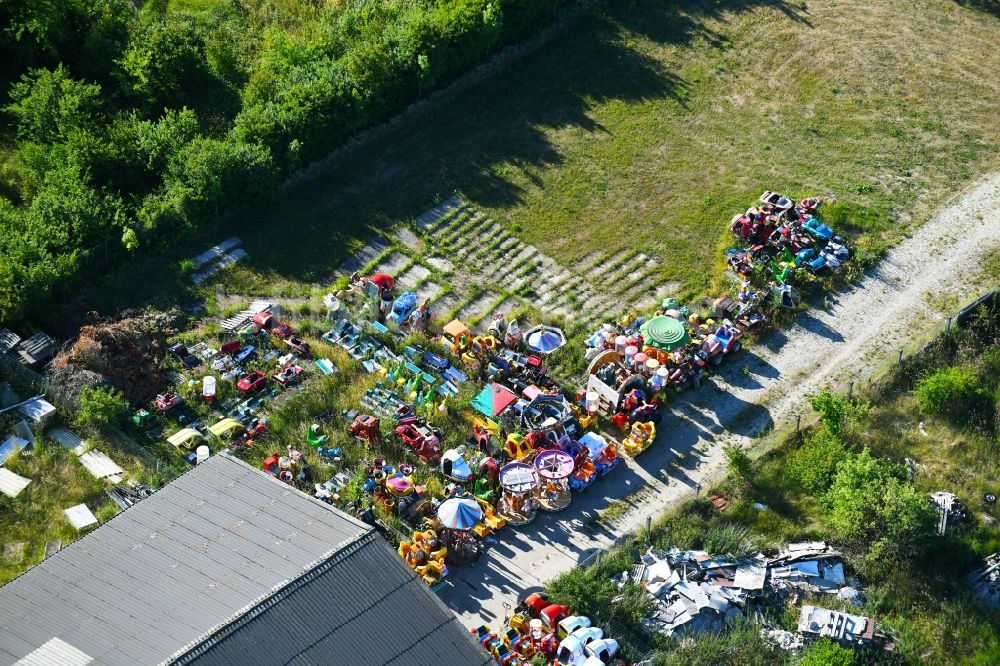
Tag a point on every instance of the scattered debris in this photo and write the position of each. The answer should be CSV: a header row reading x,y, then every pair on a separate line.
x,y
125,354
80,517
101,466
10,446
39,411
696,593
8,340
52,547
986,581
720,501
786,640
835,625
68,439
12,484
36,351
951,511
126,496
243,318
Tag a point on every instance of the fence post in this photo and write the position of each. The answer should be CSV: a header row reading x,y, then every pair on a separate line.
x,y
798,422
899,359
649,529
947,326
850,390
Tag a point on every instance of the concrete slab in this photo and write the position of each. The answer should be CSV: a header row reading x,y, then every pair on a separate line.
x,y
391,264
80,517
477,306
363,257
215,252
409,239
444,305
441,264
428,290
428,217
411,276
13,552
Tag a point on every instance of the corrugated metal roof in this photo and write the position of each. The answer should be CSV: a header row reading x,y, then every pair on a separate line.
x,y
173,568
363,606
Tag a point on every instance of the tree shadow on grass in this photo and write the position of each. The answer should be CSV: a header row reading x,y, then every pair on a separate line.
x,y
469,143
985,6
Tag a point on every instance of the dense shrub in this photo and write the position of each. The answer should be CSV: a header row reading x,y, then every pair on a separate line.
x,y
159,119
953,392
877,514
832,409
99,405
741,644
814,464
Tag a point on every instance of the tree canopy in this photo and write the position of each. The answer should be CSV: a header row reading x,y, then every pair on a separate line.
x,y
876,512
133,125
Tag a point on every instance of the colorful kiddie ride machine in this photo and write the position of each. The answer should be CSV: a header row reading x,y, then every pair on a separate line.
x,y
519,483
554,468
425,553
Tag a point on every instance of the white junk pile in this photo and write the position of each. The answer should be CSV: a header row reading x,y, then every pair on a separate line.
x,y
986,581
696,593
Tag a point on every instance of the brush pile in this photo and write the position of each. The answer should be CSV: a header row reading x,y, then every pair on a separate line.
x,y
126,354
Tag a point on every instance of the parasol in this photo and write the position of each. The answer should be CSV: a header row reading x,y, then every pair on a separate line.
x,y
494,399
460,513
664,333
544,339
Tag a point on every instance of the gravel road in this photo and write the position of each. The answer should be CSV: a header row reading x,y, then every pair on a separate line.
x,y
760,390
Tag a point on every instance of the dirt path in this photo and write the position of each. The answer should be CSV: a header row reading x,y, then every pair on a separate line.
x,y
758,391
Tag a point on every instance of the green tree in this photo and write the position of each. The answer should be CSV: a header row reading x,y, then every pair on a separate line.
x,y
814,464
208,174
875,512
48,105
493,23
832,409
68,213
825,652
97,405
130,241
163,65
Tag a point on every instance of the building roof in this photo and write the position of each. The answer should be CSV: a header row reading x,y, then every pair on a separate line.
x,y
227,563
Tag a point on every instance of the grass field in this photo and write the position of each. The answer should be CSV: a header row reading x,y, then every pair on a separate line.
x,y
646,125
